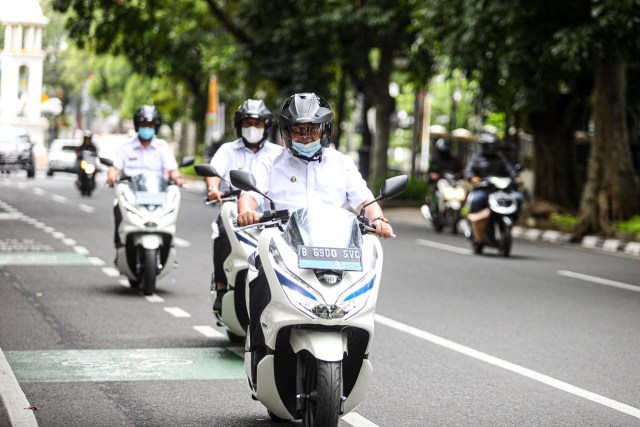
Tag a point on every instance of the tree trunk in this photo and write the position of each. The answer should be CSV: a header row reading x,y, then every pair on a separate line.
x,y
384,105
611,189
554,169
339,116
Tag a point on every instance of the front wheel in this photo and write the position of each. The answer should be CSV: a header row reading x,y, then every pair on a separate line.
x,y
149,272
323,386
505,240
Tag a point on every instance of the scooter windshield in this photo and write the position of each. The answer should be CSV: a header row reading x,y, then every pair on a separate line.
x,y
323,226
150,188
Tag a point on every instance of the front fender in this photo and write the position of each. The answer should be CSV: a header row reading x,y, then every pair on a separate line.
x,y
327,346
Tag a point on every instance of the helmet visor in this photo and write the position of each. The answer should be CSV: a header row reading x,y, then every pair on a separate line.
x,y
305,132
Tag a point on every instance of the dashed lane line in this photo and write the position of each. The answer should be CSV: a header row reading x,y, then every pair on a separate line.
x,y
96,261
13,398
443,247
38,191
357,420
599,280
68,241
111,272
58,198
154,298
86,208
81,250
512,367
181,243
209,331
177,312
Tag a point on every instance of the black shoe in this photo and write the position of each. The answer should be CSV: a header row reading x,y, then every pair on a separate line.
x,y
217,305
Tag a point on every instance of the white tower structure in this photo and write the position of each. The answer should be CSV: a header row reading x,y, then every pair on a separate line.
x,y
21,63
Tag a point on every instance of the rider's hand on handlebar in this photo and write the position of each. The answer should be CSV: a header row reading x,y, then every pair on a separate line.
x,y
475,180
215,195
110,182
248,217
383,228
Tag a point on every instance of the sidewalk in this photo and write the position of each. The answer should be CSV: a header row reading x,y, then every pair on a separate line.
x,y
412,216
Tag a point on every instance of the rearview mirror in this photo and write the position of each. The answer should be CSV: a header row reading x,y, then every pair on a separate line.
x,y
394,186
206,170
187,161
105,161
243,180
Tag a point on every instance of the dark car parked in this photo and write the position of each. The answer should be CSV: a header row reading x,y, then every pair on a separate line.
x,y
16,151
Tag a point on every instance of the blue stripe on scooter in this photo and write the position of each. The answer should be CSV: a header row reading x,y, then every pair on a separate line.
x,y
245,240
285,281
362,290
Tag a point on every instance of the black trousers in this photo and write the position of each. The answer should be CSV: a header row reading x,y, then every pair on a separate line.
x,y
259,298
221,250
117,217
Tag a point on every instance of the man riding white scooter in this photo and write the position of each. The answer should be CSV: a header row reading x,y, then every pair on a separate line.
x,y
144,153
252,121
308,170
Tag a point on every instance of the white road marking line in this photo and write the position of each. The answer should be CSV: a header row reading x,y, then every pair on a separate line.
x,y
176,312
154,298
49,230
520,370
13,397
357,420
68,241
81,250
39,224
110,271
95,261
58,198
209,331
444,247
124,282
181,242
599,280
86,208
59,235
38,191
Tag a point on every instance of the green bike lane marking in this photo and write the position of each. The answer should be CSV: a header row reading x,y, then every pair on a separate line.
x,y
43,258
125,365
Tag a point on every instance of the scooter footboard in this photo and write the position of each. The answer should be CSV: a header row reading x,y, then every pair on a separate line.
x,y
323,345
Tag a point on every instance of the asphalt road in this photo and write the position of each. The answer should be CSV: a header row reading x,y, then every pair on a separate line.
x,y
548,336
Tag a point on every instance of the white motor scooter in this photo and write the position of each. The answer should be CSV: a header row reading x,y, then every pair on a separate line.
x,y
324,271
149,205
233,316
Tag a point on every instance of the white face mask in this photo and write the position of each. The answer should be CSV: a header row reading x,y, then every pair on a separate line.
x,y
252,134
306,150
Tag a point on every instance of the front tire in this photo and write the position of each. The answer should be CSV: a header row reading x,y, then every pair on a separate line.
x,y
235,339
323,386
505,240
149,272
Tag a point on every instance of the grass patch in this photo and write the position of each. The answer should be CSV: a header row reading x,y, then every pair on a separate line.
x,y
630,226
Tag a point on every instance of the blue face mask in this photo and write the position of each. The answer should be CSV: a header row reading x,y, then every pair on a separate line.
x,y
146,133
306,150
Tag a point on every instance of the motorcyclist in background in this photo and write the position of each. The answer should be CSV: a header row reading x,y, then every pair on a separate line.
x,y
488,162
307,171
85,149
252,121
444,162
144,152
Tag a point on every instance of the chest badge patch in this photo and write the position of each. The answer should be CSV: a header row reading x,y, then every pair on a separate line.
x,y
293,179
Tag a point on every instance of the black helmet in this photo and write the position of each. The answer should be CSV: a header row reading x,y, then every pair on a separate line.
x,y
254,108
488,143
443,146
147,113
306,108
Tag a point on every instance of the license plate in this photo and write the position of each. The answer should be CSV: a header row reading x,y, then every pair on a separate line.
x,y
330,258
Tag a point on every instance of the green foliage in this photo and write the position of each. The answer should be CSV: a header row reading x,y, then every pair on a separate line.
x,y
566,221
630,226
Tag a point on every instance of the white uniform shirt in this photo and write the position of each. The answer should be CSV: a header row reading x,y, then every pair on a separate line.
x,y
132,158
293,183
236,156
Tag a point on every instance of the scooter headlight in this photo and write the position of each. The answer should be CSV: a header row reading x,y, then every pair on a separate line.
x,y
356,297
